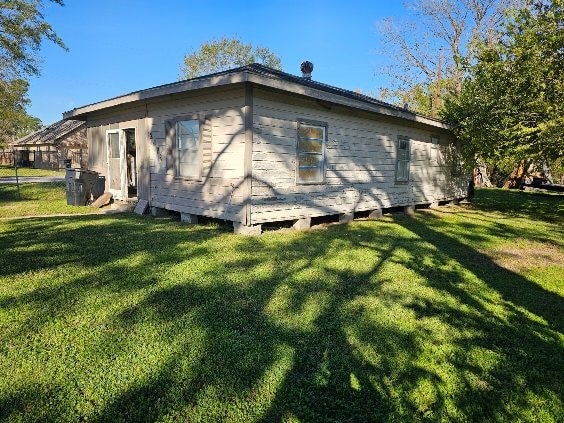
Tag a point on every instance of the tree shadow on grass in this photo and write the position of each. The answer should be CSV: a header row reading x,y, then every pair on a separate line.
x,y
533,205
315,326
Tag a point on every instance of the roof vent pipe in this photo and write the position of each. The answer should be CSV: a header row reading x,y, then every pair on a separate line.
x,y
306,68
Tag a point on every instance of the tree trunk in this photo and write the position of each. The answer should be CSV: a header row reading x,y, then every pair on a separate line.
x,y
517,176
481,178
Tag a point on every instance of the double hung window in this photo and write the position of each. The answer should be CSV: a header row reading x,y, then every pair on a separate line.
x,y
402,159
310,153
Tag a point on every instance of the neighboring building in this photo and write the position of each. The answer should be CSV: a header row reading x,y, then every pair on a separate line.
x,y
48,147
254,145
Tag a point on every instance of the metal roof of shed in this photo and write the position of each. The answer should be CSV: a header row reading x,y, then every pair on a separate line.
x,y
50,134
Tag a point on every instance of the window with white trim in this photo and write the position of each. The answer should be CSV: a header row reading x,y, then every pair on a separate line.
x,y
310,163
187,143
403,158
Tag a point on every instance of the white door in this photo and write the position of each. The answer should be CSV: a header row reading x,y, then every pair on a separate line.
x,y
117,179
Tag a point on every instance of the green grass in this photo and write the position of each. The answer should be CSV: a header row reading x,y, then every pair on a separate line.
x,y
37,199
452,315
9,172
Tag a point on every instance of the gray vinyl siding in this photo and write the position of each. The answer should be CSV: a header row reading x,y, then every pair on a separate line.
x,y
97,149
253,131
220,191
359,163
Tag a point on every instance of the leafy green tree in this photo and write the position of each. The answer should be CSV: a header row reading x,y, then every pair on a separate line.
x,y
225,53
431,53
511,107
22,29
14,120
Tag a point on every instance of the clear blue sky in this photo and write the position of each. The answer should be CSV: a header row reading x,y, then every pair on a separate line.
x,y
118,46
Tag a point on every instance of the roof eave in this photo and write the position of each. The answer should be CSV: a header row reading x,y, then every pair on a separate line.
x,y
189,85
259,79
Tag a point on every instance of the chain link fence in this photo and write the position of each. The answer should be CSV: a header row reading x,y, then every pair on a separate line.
x,y
9,176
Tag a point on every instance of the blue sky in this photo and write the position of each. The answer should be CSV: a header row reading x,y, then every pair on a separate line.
x,y
118,46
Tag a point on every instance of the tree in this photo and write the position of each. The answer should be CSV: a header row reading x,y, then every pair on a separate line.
x,y
22,29
225,53
14,120
431,55
511,107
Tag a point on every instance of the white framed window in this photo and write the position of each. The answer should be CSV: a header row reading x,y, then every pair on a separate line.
x,y
403,158
188,162
310,163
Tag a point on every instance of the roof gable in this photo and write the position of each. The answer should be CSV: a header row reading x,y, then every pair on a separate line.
x,y
50,134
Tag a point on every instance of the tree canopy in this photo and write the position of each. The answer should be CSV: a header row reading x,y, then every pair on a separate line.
x,y
22,29
432,53
225,53
14,120
511,107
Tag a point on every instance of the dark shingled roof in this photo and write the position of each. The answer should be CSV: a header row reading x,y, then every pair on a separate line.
x,y
50,134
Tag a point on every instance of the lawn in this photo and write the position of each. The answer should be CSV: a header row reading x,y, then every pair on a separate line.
x,y
9,172
455,314
36,199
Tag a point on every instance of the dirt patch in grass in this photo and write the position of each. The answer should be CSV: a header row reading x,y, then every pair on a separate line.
x,y
522,255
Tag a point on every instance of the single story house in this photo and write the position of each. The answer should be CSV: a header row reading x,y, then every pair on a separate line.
x,y
48,147
254,145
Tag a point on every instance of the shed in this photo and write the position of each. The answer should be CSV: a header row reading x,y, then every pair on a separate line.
x,y
254,145
49,146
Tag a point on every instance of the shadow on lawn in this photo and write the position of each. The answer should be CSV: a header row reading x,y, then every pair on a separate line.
x,y
287,332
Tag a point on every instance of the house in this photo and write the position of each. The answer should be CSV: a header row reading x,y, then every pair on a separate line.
x,y
254,145
48,147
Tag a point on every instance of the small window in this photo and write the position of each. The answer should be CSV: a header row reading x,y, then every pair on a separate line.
x,y
310,152
433,155
402,159
188,148
113,141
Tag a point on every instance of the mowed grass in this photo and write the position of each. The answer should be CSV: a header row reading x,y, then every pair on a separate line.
x,y
451,315
10,172
35,199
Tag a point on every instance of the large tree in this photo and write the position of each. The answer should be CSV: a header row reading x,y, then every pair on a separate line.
x,y
22,30
14,120
511,107
431,53
224,53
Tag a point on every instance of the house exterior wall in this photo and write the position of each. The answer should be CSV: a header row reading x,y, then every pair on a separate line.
x,y
220,191
120,118
249,143
74,146
50,156
360,161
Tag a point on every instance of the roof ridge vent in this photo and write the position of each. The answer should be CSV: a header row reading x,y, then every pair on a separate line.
x,y
306,68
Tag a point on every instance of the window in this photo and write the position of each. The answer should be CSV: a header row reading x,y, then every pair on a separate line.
x,y
113,142
188,148
433,155
310,151
402,159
